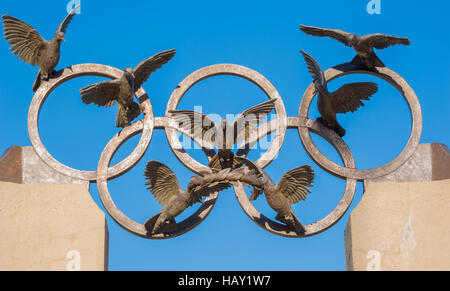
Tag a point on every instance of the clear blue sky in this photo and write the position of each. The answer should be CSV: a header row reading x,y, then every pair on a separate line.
x,y
264,36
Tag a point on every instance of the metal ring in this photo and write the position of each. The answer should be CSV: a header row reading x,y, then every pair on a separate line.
x,y
234,70
330,219
123,220
78,71
347,172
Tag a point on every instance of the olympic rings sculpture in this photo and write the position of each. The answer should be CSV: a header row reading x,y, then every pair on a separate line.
x,y
149,123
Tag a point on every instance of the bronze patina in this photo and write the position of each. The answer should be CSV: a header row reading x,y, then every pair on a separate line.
x,y
345,99
363,45
225,168
122,90
31,48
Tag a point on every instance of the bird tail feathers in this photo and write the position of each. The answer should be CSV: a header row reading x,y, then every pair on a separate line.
x,y
374,61
127,114
156,225
150,224
339,130
292,222
37,82
298,226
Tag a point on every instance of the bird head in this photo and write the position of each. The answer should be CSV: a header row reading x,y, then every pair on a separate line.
x,y
129,72
318,88
60,36
352,40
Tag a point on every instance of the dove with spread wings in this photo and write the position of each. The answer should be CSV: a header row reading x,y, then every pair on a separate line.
x,y
31,48
345,99
292,188
225,135
122,90
164,186
362,44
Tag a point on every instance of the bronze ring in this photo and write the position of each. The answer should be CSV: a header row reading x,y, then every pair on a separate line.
x,y
348,172
124,221
330,219
234,70
78,71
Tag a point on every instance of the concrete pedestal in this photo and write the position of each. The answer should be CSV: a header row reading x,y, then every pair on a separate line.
x,y
46,223
403,224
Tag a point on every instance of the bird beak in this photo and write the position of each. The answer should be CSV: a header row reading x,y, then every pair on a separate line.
x,y
64,40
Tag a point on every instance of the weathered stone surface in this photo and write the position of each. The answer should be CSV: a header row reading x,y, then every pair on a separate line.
x,y
51,227
441,161
400,226
22,165
430,162
11,165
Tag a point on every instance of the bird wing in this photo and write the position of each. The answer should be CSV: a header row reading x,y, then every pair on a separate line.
x,y
337,34
293,185
197,124
314,69
247,121
65,23
348,97
26,42
102,94
145,68
161,181
382,41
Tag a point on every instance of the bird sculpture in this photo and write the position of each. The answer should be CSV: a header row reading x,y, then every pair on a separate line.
x,y
31,48
225,135
291,189
363,45
345,99
122,90
163,184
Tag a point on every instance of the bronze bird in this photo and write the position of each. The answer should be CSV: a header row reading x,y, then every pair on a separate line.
x,y
347,98
291,188
31,48
163,184
363,45
225,135
123,89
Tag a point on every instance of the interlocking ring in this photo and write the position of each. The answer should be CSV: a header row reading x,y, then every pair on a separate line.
x,y
78,71
235,70
302,123
347,172
330,219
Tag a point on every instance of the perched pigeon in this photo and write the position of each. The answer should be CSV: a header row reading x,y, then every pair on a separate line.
x,y
347,98
122,90
363,45
224,136
31,48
